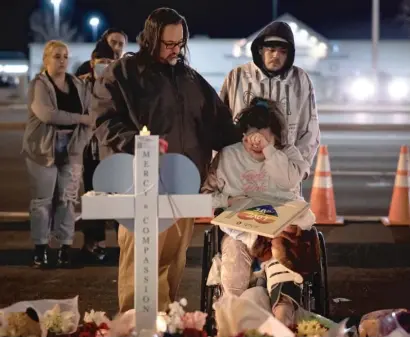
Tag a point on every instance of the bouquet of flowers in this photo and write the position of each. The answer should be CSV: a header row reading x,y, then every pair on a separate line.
x,y
310,328
54,322
176,322
57,322
96,324
40,318
310,325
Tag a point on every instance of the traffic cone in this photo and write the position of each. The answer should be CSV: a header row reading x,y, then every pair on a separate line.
x,y
322,199
399,213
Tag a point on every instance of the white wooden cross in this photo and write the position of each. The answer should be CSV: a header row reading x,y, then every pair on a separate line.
x,y
145,207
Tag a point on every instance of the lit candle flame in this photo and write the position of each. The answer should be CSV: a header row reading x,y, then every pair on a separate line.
x,y
145,131
161,324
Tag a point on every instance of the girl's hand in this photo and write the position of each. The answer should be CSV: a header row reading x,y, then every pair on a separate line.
x,y
257,141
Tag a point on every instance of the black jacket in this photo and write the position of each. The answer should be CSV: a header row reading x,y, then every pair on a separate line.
x,y
84,69
175,103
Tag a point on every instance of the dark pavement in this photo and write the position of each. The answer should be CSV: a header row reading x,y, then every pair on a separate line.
x,y
368,265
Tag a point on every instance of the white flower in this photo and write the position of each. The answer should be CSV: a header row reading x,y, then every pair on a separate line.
x,y
172,328
183,302
175,309
176,312
176,322
68,322
58,322
97,317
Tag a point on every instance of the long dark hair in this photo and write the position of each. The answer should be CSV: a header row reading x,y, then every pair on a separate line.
x,y
113,30
102,50
263,113
149,39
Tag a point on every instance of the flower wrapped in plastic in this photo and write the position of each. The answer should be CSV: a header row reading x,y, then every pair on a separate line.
x,y
38,318
250,315
310,324
241,315
385,323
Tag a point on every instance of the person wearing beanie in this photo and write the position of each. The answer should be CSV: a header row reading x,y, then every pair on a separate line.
x,y
94,250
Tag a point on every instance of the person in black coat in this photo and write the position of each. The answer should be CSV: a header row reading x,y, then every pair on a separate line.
x,y
156,87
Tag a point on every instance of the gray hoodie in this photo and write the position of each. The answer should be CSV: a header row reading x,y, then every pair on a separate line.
x,y
235,173
291,86
43,116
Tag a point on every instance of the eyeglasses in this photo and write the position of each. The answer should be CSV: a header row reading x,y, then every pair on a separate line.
x,y
172,45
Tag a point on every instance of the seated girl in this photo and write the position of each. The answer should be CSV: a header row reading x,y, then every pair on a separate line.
x,y
262,165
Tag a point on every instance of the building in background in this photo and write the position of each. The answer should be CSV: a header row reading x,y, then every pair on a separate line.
x,y
13,76
341,70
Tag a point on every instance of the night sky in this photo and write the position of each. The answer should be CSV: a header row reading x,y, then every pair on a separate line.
x,y
216,18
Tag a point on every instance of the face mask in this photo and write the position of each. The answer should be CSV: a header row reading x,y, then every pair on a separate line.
x,y
99,69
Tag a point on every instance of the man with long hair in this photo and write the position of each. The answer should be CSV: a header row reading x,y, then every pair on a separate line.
x,y
156,87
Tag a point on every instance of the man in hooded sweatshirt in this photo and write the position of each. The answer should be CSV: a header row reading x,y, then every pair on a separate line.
x,y
272,75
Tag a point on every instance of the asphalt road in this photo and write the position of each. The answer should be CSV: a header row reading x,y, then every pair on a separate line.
x,y
363,166
365,287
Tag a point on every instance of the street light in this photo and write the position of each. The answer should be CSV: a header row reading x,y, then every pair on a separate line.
x,y
56,4
94,23
375,34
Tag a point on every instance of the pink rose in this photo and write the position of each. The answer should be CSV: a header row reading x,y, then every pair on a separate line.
x,y
194,320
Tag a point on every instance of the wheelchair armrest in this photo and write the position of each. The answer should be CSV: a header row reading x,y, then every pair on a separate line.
x,y
218,211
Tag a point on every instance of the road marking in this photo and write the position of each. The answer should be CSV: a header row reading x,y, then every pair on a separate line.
x,y
379,184
359,218
363,173
13,107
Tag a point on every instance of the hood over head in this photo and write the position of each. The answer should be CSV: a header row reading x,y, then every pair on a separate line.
x,y
277,33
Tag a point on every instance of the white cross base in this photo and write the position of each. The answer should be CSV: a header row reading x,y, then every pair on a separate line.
x,y
146,206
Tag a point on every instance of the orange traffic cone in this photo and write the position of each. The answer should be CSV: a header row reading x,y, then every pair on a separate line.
x,y
322,199
399,213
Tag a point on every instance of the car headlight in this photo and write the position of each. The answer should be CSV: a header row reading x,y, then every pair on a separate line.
x,y
362,89
398,89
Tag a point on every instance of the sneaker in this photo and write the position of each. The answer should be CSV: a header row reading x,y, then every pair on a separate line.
x,y
100,253
63,257
97,256
40,259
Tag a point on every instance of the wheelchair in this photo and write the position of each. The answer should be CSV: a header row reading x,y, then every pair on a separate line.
x,y
314,295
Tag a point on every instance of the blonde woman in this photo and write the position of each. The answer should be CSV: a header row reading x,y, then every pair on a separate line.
x,y
57,130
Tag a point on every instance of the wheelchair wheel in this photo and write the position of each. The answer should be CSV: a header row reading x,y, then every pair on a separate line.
x,y
209,294
206,265
320,290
